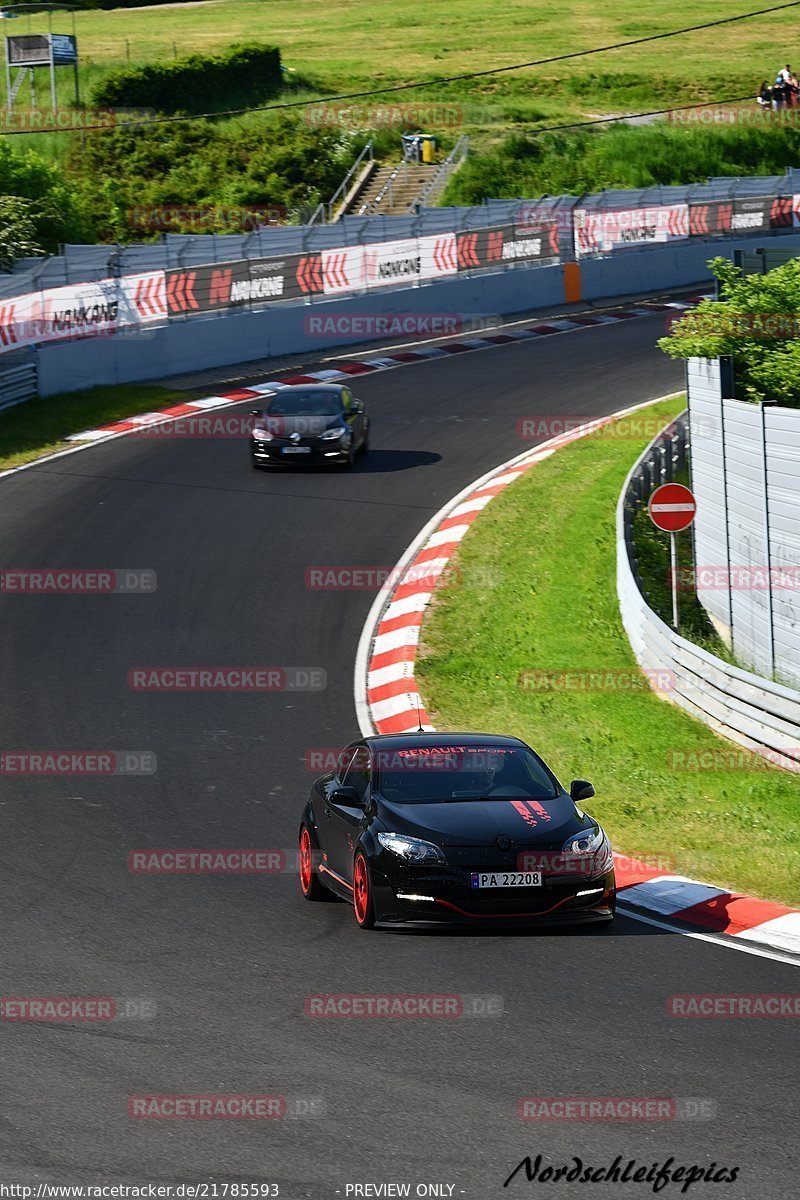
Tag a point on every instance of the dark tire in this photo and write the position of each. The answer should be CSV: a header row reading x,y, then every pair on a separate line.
x,y
310,885
349,461
364,447
363,906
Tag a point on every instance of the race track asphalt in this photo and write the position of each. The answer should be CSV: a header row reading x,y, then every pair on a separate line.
x,y
228,960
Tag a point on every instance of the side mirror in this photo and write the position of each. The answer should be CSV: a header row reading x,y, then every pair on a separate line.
x,y
580,789
348,796
356,406
256,412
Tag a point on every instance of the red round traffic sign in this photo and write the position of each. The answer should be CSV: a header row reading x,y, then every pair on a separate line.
x,y
672,507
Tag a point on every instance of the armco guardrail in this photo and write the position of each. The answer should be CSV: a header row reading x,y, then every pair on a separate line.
x,y
753,712
17,379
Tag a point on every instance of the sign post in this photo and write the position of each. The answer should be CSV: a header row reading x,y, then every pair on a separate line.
x,y
672,508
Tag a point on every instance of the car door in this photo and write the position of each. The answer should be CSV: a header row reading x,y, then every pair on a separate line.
x,y
327,829
344,822
353,412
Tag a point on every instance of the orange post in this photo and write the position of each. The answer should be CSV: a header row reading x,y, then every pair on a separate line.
x,y
572,283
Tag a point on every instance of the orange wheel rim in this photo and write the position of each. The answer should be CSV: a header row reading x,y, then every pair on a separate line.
x,y
305,860
361,889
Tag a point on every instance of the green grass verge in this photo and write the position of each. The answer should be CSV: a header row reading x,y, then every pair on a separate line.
x,y
41,426
547,546
357,44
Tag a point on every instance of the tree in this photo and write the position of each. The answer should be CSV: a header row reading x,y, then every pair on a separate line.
x,y
757,322
18,237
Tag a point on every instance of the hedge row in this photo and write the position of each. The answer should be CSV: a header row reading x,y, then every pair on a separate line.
x,y
244,75
109,3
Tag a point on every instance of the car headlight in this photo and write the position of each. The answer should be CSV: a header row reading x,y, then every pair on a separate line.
x,y
411,849
588,842
332,435
262,435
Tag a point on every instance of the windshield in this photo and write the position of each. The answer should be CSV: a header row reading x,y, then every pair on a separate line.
x,y
305,404
432,773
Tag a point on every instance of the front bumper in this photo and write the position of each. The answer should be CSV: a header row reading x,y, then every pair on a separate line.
x,y
450,900
310,452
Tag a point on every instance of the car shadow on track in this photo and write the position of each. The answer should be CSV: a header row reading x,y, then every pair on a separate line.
x,y
377,462
621,927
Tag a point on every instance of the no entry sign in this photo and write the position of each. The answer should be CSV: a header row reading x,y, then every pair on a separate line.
x,y
672,507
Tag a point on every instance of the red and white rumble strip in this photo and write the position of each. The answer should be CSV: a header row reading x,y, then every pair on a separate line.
x,y
388,701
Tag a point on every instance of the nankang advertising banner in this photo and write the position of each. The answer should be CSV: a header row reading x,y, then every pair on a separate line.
x,y
712,218
388,264
751,214
598,232
501,244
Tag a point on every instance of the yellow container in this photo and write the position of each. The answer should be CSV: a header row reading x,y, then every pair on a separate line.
x,y
428,147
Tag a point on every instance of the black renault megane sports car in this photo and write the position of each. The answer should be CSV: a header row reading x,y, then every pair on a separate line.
x,y
310,423
460,828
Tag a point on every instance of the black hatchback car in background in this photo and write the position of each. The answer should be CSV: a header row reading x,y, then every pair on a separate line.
x,y
310,423
458,827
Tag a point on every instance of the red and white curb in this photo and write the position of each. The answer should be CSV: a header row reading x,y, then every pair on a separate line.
x,y
388,701
368,365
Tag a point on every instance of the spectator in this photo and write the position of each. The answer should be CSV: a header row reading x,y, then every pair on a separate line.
x,y
764,97
792,91
779,92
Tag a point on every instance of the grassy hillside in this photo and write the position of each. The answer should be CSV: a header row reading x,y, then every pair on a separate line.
x,y
355,44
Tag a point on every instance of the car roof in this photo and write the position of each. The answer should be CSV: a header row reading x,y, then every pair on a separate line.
x,y
412,741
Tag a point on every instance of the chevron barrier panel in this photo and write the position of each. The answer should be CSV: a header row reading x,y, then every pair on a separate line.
x,y
535,235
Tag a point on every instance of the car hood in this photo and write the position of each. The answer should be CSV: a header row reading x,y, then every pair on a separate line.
x,y
306,426
479,822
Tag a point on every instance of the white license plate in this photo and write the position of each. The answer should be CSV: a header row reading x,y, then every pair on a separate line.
x,y
296,450
506,879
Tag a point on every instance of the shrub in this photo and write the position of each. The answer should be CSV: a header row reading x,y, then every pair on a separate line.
x,y
244,75
622,157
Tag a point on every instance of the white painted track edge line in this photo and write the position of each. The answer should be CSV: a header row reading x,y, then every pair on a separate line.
x,y
727,943
112,436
